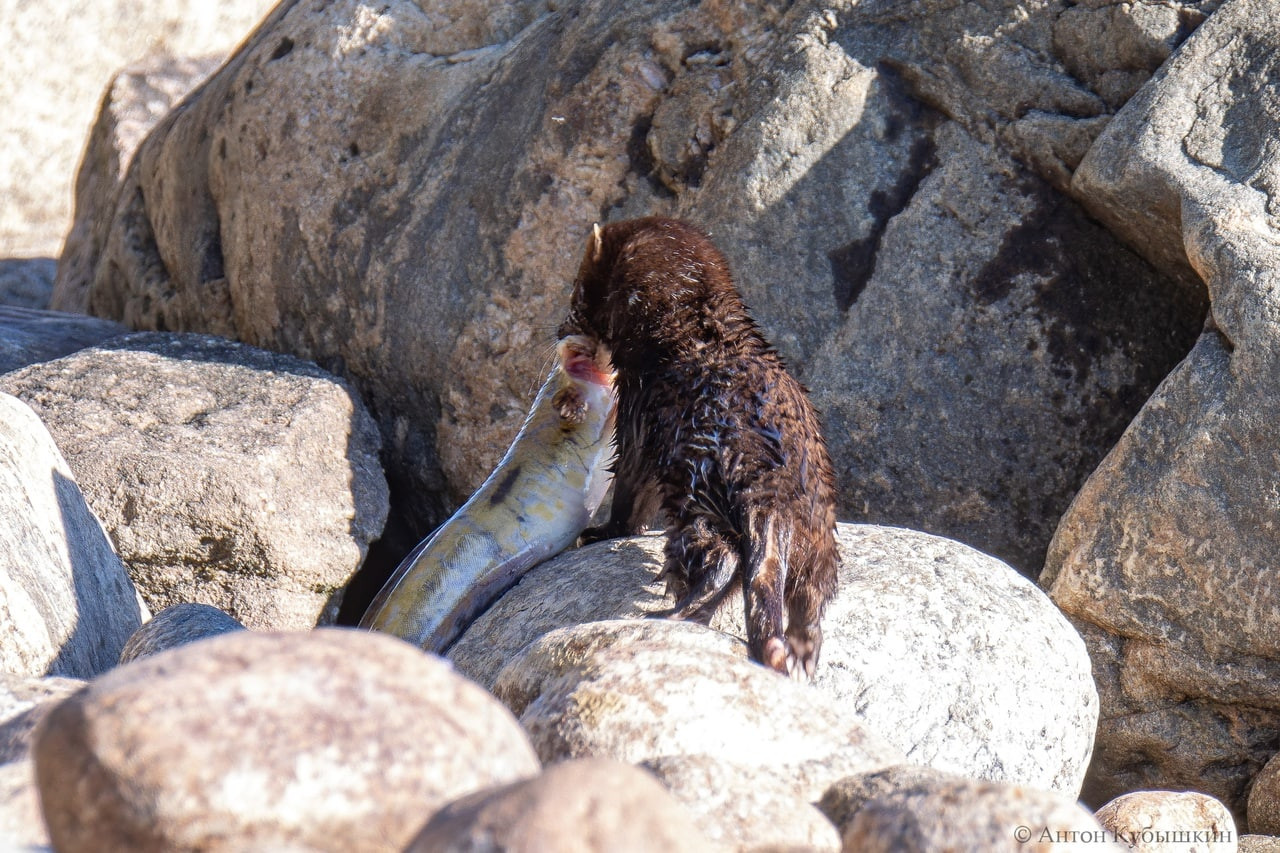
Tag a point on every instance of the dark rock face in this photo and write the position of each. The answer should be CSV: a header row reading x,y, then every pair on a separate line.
x,y
30,335
402,196
27,282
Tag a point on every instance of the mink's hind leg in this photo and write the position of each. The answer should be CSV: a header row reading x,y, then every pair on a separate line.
x,y
699,571
809,586
804,632
764,579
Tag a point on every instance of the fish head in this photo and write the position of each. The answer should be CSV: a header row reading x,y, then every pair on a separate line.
x,y
587,405
586,395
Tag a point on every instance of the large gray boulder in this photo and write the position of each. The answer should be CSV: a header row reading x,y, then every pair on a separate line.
x,y
402,195
225,475
137,97
950,654
1165,558
69,605
639,691
965,814
332,739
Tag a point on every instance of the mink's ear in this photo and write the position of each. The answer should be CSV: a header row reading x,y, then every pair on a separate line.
x,y
595,247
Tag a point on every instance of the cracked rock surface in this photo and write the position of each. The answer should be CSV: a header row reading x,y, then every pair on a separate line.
x,y
1165,561
401,194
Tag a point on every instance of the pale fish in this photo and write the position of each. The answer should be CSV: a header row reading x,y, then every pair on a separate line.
x,y
534,505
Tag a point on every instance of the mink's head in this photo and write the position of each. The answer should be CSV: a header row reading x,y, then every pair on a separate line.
x,y
650,288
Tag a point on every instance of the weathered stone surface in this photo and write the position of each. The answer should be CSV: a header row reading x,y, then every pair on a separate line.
x,y
1136,177
176,626
27,282
329,739
964,814
948,653
842,801
225,475
51,102
332,192
1170,822
1259,844
642,690
21,827
137,97
1163,560
617,579
29,336
23,703
66,603
744,808
1264,800
589,806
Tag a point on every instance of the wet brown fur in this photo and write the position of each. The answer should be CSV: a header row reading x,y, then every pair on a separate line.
x,y
715,433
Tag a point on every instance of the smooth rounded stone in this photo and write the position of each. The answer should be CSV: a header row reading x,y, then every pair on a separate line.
x,y
29,336
1170,822
69,604
22,828
571,652
176,626
27,282
225,475
23,703
744,808
623,584
958,660
1163,559
1264,800
841,801
948,653
754,120
332,739
642,690
966,814
592,805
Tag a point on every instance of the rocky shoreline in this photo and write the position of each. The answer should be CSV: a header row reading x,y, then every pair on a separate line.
x,y
1029,276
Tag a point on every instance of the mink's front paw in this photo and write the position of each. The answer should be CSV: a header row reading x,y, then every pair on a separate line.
x,y
570,405
599,533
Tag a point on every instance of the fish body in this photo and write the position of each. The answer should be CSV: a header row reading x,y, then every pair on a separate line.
x,y
534,505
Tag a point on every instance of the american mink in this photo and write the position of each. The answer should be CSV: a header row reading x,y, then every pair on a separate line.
x,y
713,431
